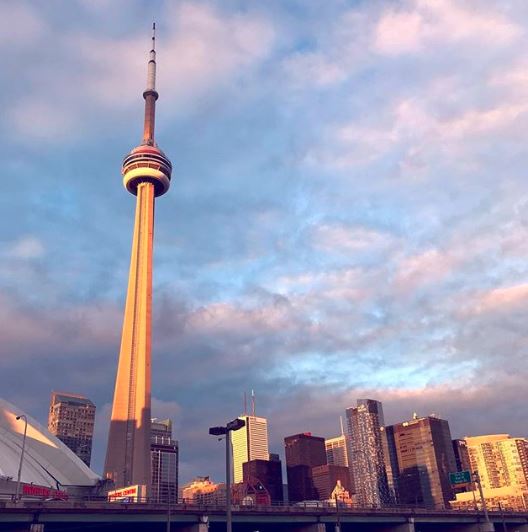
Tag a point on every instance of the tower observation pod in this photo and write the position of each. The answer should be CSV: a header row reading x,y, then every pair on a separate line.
x,y
146,174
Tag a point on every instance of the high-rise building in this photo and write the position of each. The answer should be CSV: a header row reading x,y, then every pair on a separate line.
x,y
425,457
461,455
71,418
366,453
249,443
391,462
502,465
164,462
269,472
303,452
146,175
336,451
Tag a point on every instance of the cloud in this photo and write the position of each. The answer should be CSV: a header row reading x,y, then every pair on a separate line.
x,y
27,247
205,49
21,24
427,23
499,299
343,220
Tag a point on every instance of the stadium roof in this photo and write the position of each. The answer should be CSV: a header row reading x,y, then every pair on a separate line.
x,y
47,461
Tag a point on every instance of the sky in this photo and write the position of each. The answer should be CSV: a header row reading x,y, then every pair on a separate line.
x,y
348,213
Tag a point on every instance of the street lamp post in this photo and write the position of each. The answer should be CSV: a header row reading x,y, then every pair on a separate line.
x,y
487,525
18,418
236,424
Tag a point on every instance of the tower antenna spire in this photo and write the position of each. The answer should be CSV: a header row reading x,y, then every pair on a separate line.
x,y
150,94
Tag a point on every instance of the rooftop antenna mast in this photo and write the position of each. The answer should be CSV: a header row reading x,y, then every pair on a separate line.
x,y
150,94
341,423
253,403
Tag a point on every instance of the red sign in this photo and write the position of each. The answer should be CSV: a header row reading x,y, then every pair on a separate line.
x,y
42,491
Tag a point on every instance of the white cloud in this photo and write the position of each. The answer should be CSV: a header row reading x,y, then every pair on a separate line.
x,y
343,239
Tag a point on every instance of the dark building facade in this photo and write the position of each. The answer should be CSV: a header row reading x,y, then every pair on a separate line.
x,y
461,455
71,418
303,452
425,457
269,472
164,462
391,462
325,478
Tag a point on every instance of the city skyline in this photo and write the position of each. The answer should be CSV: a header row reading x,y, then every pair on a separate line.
x,y
349,219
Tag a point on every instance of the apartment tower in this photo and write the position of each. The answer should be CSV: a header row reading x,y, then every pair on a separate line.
x,y
71,418
502,465
366,453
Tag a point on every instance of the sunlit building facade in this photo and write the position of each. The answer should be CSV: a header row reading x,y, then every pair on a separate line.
x,y
164,462
249,443
502,465
71,419
365,453
422,458
203,491
336,451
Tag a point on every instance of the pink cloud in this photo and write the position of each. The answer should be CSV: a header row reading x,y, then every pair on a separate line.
x,y
430,22
427,267
501,298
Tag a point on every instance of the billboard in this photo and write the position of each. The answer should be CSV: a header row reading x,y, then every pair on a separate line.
x,y
32,490
127,494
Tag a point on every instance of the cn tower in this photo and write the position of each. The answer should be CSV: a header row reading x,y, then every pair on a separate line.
x,y
146,174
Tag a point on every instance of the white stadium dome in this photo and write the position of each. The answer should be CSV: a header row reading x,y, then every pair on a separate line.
x,y
47,461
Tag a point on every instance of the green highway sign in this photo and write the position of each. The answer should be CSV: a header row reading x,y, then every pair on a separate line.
x,y
460,477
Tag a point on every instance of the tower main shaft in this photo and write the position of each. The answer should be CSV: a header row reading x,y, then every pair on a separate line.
x,y
146,174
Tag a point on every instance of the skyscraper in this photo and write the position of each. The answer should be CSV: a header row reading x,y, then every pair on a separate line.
x,y
461,455
303,452
336,451
71,418
164,461
146,174
249,443
425,457
366,453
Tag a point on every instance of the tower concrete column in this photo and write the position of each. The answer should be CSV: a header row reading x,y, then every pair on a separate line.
x,y
128,454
